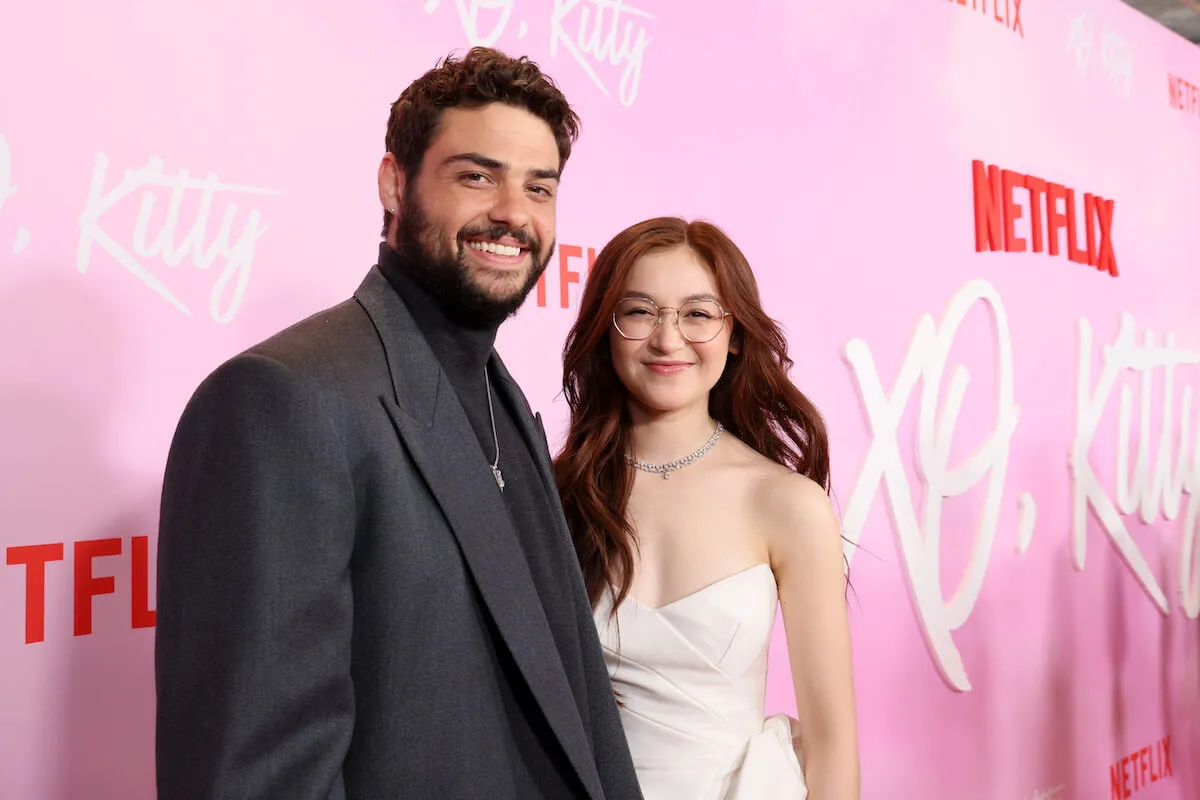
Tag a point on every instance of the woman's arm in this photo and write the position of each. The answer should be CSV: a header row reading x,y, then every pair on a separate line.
x,y
806,555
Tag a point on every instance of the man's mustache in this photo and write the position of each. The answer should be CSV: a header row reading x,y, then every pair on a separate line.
x,y
496,232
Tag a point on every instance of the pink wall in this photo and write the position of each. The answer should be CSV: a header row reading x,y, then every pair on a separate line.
x,y
1016,445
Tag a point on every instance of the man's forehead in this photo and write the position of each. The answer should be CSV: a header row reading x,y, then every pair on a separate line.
x,y
498,131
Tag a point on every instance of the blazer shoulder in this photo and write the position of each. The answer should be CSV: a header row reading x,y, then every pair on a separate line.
x,y
318,341
327,356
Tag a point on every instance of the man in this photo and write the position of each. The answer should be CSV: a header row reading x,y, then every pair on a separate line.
x,y
366,588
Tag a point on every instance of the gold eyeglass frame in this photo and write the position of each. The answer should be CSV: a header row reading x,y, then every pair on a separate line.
x,y
659,318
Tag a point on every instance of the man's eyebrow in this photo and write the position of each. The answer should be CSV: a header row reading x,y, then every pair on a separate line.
x,y
478,160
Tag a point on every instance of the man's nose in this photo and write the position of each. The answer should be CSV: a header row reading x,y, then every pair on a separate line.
x,y
511,207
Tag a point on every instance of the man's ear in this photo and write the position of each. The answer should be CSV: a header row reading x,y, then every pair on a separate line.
x,y
391,183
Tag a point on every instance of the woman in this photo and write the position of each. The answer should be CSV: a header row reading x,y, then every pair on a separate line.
x,y
694,479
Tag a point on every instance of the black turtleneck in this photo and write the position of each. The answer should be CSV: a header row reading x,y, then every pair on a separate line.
x,y
464,354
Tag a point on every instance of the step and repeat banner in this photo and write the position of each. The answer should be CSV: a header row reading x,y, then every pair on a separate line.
x,y
976,220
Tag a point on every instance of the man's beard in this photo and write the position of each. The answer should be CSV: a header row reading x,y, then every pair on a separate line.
x,y
448,276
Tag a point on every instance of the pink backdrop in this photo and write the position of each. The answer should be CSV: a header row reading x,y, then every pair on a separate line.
x,y
1016,444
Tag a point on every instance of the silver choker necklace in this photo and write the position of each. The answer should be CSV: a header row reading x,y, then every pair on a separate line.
x,y
666,469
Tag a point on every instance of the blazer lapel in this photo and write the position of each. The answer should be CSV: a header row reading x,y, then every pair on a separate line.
x,y
430,420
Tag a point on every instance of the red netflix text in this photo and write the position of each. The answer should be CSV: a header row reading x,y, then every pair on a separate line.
x,y
996,210
1183,95
566,274
1141,768
1011,18
90,563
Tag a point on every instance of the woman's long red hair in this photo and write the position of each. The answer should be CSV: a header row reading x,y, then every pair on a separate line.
x,y
754,399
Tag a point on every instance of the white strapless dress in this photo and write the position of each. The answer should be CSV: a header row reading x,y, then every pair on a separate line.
x,y
691,679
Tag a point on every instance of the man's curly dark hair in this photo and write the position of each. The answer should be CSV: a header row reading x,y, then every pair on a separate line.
x,y
483,76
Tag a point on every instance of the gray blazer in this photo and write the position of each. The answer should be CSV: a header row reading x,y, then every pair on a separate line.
x,y
338,580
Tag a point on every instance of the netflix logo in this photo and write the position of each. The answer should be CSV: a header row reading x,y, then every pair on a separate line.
x,y
1141,768
1010,18
1183,95
566,275
1052,209
87,584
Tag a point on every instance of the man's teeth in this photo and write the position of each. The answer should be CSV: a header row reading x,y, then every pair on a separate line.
x,y
498,249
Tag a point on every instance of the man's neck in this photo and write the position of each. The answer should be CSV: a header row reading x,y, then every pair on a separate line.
x,y
462,351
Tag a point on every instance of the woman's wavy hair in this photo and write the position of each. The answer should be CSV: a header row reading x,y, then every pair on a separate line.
x,y
754,398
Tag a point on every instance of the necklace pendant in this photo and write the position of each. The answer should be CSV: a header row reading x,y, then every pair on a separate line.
x,y
499,478
666,475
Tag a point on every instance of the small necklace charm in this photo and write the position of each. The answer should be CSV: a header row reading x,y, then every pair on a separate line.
x,y
495,465
666,469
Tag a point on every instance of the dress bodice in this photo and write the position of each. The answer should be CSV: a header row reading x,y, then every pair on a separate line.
x,y
690,677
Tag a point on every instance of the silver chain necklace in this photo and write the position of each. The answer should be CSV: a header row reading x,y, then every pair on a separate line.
x,y
487,380
679,463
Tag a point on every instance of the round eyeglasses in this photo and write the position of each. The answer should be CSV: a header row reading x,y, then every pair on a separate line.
x,y
698,321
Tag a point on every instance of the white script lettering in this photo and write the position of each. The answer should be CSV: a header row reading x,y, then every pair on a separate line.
x,y
469,16
229,287
7,190
602,43
919,538
1148,488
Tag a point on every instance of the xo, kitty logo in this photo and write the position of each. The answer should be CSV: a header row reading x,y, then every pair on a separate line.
x,y
234,255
